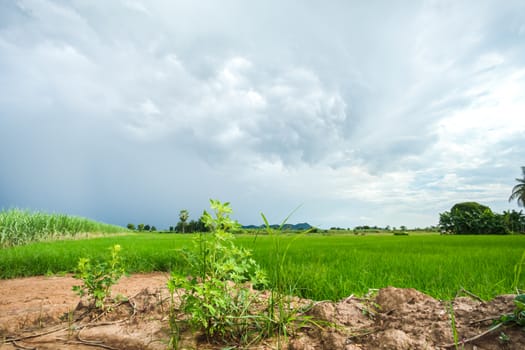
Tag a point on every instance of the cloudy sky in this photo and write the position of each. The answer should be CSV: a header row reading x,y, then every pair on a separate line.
x,y
360,112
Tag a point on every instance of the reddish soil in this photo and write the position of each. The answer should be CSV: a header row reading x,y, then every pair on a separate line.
x,y
44,313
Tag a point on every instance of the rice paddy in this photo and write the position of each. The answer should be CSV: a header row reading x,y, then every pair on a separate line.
x,y
315,266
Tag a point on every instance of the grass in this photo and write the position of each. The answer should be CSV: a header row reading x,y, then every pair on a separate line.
x,y
18,227
317,267
141,252
334,267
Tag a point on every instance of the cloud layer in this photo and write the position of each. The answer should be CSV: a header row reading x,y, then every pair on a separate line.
x,y
382,114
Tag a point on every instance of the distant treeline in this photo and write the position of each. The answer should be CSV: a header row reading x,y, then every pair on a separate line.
x,y
287,227
141,227
194,226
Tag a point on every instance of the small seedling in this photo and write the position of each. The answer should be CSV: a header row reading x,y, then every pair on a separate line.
x,y
503,338
98,279
517,273
453,325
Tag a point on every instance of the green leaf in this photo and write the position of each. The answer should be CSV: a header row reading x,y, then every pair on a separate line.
x,y
519,300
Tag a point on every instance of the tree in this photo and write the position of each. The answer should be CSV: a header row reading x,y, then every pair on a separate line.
x,y
518,192
472,218
468,207
514,221
147,227
131,227
191,226
183,217
140,227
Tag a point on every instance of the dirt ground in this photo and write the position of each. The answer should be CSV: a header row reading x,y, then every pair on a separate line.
x,y
43,313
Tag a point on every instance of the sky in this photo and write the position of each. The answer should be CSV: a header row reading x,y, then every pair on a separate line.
x,y
348,112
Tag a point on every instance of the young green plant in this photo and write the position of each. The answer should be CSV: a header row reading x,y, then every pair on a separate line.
x,y
219,296
517,273
282,316
453,325
97,279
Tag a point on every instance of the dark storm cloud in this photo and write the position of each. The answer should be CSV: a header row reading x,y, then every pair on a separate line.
x,y
133,110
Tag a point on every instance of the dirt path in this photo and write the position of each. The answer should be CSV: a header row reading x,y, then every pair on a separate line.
x,y
392,319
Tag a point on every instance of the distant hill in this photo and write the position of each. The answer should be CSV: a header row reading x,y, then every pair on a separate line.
x,y
291,227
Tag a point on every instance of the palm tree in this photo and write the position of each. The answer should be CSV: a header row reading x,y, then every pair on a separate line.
x,y
183,216
518,192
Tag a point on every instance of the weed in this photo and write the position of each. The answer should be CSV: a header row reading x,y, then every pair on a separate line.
x,y
282,315
219,298
172,319
453,325
70,319
517,273
518,316
98,279
503,338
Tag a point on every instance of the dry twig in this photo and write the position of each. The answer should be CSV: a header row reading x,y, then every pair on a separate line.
x,y
472,295
469,340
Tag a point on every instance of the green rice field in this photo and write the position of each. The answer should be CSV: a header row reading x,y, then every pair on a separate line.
x,y
315,266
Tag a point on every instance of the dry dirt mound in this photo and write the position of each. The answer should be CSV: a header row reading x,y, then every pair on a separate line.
x,y
43,313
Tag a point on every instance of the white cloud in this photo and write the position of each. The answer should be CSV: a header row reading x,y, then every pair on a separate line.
x,y
149,108
136,6
469,136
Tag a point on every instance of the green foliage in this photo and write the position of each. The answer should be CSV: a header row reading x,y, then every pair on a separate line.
x,y
141,227
518,316
219,295
19,227
469,207
472,218
97,279
514,221
191,227
453,324
400,233
518,192
281,314
517,273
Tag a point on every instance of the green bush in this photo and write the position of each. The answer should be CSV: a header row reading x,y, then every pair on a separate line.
x,y
219,294
472,218
97,279
402,233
